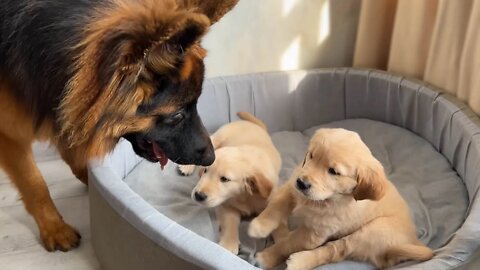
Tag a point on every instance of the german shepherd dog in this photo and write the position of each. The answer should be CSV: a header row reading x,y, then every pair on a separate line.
x,y
84,73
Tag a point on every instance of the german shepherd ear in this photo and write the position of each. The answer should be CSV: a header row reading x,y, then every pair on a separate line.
x,y
140,34
259,184
213,9
124,44
371,181
167,50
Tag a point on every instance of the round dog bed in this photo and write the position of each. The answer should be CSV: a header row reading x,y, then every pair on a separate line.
x,y
428,142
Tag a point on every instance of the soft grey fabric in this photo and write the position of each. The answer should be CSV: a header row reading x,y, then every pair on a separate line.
x,y
298,100
422,175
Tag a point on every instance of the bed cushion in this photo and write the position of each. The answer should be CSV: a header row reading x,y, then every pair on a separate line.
x,y
434,191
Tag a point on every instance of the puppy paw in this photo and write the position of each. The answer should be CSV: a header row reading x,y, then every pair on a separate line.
x,y
185,170
231,246
299,261
267,260
260,228
59,236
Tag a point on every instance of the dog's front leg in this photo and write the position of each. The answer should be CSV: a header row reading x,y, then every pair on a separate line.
x,y
17,160
75,158
281,231
277,211
297,240
331,252
229,220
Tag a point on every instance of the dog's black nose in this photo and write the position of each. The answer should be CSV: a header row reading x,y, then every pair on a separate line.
x,y
205,155
303,185
200,196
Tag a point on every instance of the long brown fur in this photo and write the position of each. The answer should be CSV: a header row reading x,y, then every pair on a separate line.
x,y
124,45
99,92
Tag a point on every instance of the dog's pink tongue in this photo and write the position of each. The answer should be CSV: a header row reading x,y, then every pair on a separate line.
x,y
160,155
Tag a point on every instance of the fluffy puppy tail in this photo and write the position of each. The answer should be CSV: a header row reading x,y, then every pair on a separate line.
x,y
406,252
251,118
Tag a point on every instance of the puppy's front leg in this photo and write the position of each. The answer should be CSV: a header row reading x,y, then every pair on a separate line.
x,y
281,232
297,240
228,220
277,211
186,170
334,251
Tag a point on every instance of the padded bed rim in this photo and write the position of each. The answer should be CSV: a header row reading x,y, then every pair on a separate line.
x,y
456,136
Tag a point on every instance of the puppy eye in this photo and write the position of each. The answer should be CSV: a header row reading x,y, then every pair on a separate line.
x,y
205,170
223,179
332,171
174,119
311,155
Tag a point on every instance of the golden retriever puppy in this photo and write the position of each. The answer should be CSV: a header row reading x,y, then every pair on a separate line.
x,y
241,178
346,208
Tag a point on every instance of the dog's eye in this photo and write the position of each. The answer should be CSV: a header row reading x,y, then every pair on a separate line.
x,y
205,170
311,155
174,119
223,179
332,171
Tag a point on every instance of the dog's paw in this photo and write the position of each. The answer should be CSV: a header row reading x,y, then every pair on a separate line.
x,y
59,236
267,260
260,228
231,246
185,170
299,261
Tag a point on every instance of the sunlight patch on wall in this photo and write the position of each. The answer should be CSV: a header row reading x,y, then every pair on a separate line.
x,y
324,22
294,80
290,58
288,6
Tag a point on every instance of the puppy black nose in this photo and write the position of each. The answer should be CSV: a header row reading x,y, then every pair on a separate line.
x,y
200,196
303,185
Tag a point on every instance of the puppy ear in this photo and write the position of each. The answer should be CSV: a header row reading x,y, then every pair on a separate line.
x,y
304,160
213,9
259,184
201,172
371,182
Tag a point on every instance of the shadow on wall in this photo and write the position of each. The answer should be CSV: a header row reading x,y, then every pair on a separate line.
x,y
270,35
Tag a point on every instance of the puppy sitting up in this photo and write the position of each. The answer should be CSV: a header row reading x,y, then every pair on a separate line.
x,y
240,180
346,207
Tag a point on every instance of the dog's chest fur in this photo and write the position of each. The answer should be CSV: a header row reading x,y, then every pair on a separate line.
x,y
333,219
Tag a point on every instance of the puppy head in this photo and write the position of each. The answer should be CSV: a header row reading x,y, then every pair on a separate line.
x,y
231,174
339,163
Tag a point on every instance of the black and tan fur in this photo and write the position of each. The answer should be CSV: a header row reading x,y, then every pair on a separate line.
x,y
84,73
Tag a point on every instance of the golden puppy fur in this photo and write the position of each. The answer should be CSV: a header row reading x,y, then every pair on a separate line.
x,y
242,177
346,207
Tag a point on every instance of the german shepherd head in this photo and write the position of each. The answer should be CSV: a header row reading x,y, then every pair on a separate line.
x,y
138,75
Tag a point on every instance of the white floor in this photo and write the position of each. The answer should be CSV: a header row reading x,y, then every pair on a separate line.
x,y
20,246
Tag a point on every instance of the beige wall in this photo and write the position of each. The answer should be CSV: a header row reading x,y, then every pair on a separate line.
x,y
270,35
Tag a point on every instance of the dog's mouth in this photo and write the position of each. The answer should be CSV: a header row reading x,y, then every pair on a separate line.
x,y
152,152
162,151
158,155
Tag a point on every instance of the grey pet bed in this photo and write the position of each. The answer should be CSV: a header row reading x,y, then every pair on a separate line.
x,y
429,144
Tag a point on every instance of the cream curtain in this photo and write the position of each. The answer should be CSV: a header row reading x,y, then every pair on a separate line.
x,y
434,40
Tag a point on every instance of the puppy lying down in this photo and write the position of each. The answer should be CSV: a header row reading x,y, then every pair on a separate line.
x,y
242,177
346,207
